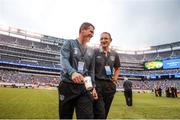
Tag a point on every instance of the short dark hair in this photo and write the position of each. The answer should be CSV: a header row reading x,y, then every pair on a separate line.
x,y
108,34
85,26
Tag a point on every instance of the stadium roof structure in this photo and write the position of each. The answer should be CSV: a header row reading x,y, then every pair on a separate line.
x,y
164,46
20,33
151,49
59,41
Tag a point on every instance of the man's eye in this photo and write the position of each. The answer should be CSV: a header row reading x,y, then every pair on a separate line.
x,y
104,38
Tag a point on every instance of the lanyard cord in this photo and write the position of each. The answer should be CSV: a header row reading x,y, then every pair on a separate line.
x,y
106,58
82,50
106,63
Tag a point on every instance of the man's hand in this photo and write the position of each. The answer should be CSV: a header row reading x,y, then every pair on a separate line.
x,y
77,78
94,94
115,81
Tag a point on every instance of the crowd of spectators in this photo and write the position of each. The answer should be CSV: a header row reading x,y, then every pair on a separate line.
x,y
148,72
19,79
151,84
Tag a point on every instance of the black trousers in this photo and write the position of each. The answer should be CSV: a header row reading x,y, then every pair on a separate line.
x,y
74,97
106,91
128,97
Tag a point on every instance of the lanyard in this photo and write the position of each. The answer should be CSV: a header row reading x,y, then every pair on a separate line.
x,y
109,75
82,50
106,58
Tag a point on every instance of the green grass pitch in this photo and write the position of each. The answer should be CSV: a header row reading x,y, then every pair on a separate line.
x,y
43,104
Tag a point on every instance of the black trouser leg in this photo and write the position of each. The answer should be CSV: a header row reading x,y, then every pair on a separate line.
x,y
106,91
130,97
66,110
66,107
108,94
126,97
98,105
108,100
99,109
84,107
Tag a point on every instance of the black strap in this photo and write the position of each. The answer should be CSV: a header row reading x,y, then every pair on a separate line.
x,y
82,50
106,58
106,63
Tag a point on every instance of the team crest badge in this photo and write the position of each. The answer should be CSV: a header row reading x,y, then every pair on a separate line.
x,y
75,51
61,97
112,58
98,57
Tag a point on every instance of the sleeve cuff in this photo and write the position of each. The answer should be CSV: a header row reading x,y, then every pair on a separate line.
x,y
72,71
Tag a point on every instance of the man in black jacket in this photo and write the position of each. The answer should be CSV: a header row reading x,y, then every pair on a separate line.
x,y
128,91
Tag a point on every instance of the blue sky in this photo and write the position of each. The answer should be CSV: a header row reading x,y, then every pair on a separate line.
x,y
133,24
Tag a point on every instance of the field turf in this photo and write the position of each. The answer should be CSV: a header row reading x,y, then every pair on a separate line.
x,y
43,104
